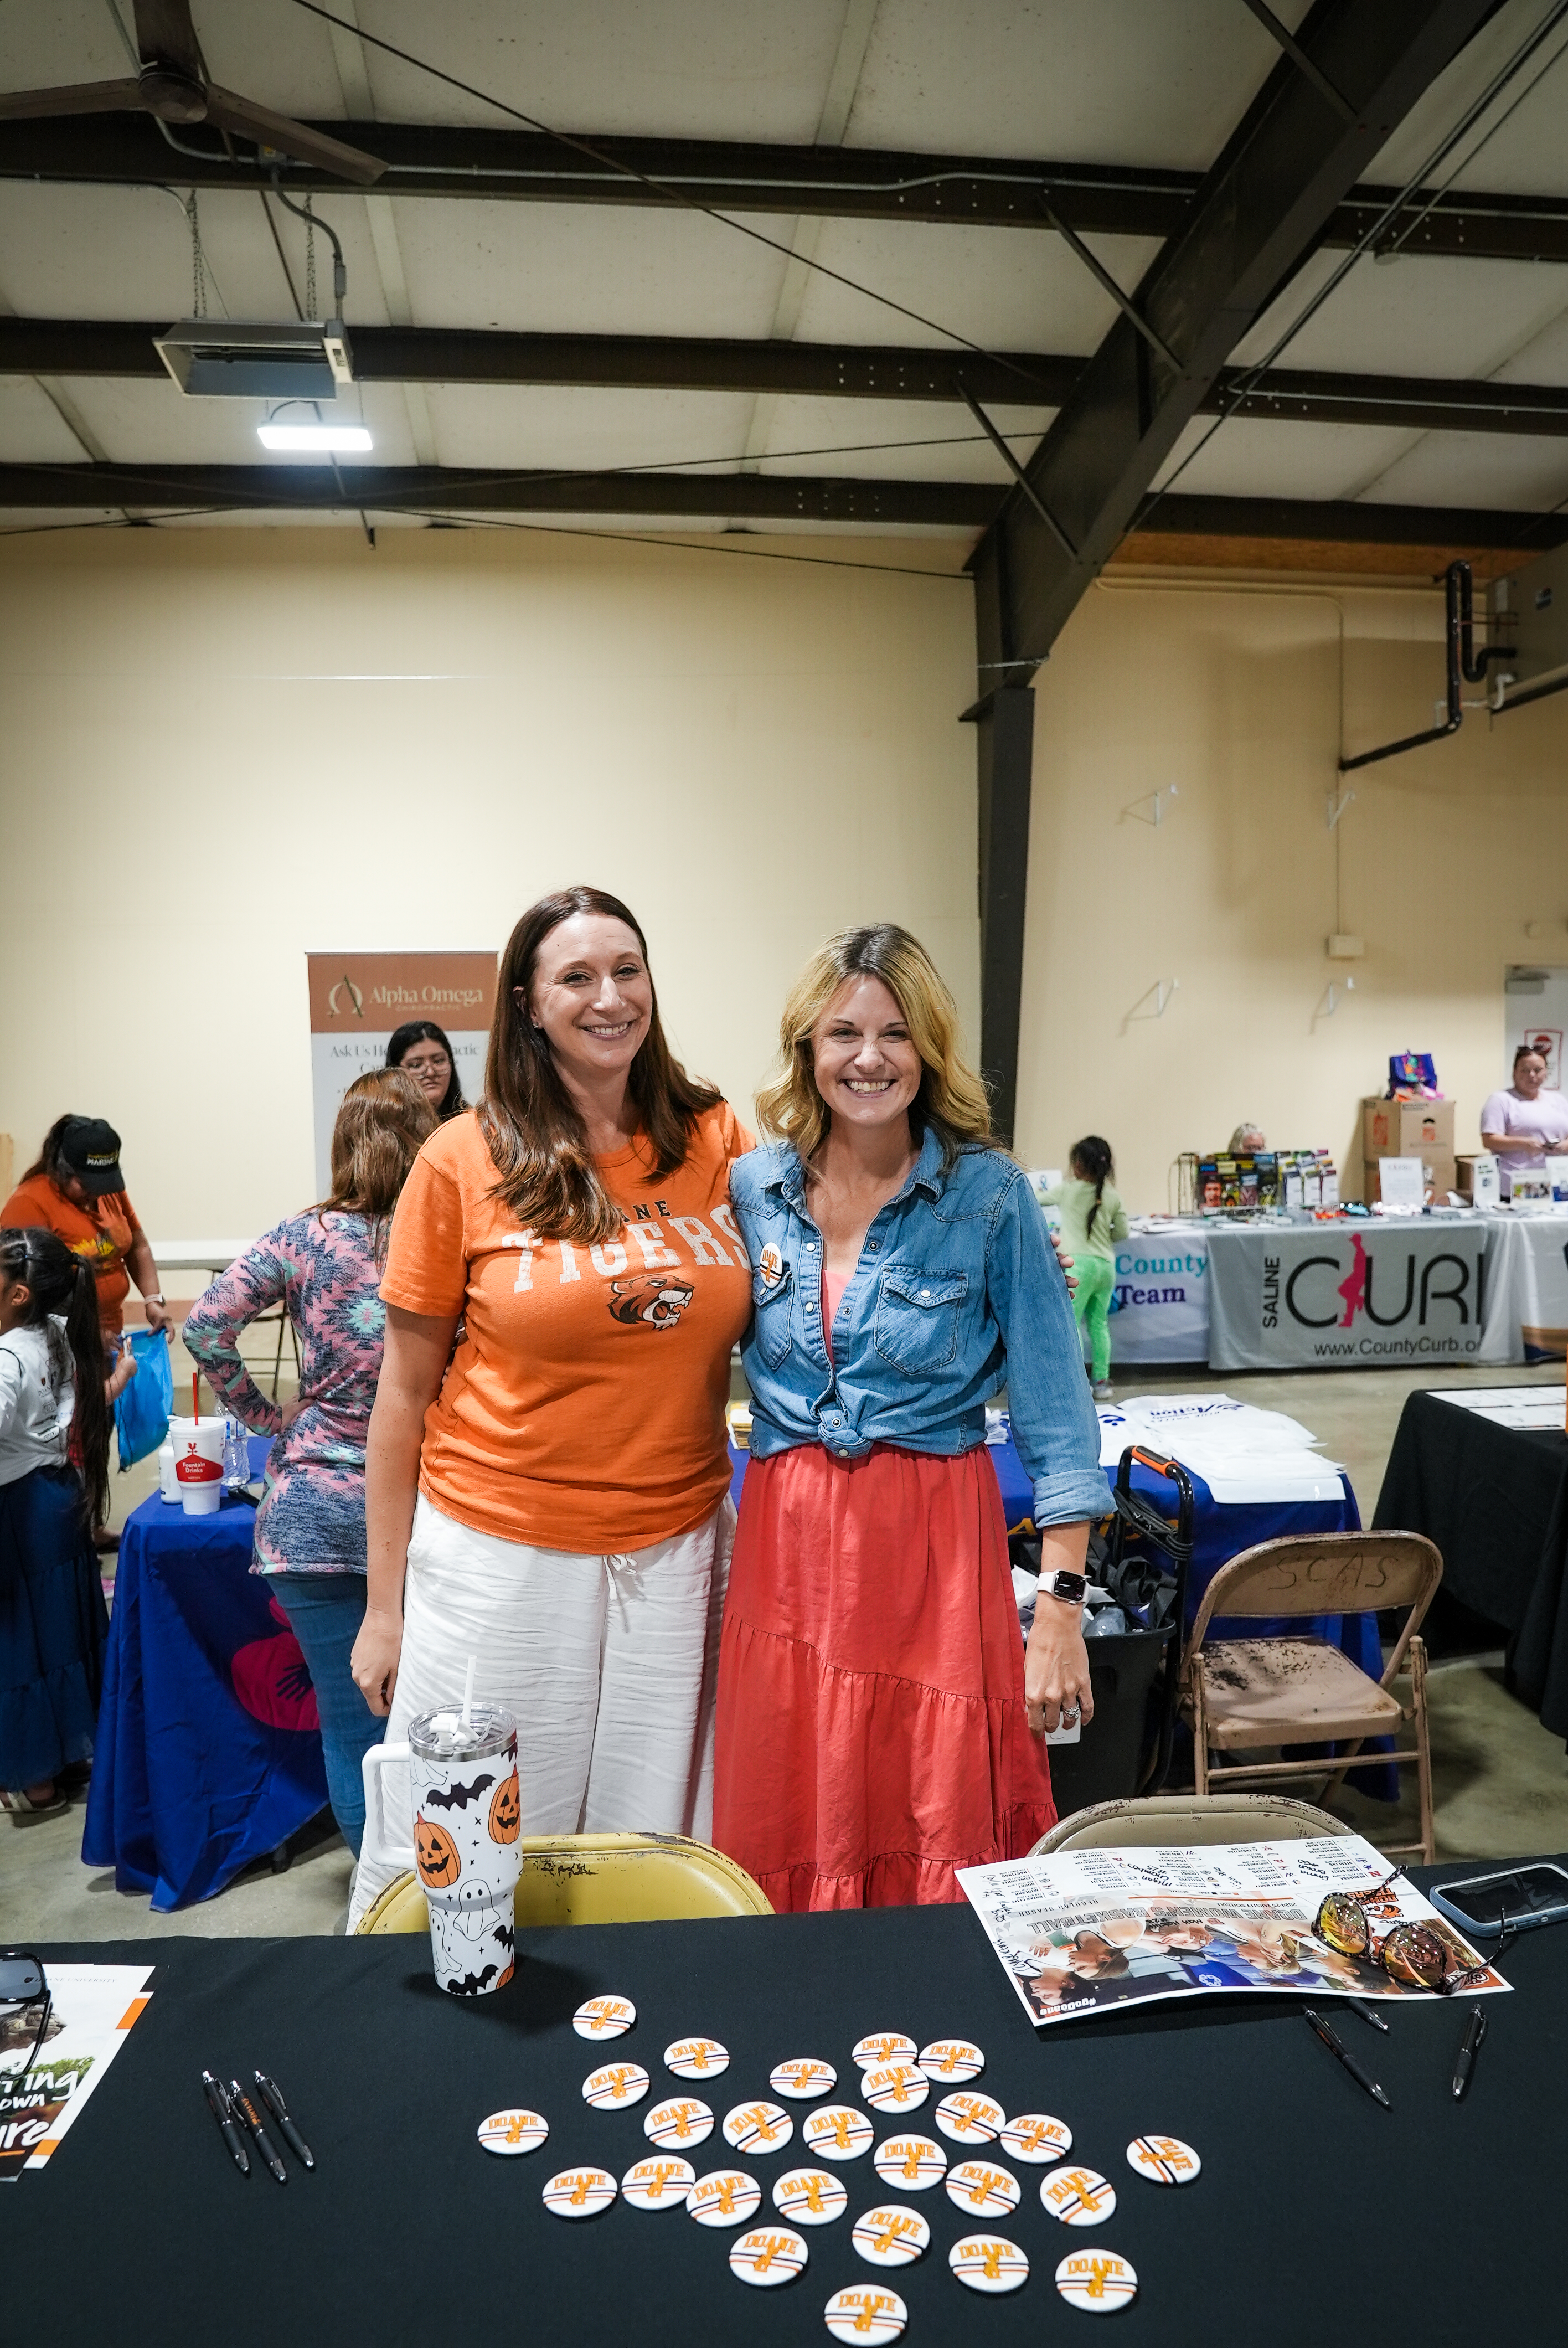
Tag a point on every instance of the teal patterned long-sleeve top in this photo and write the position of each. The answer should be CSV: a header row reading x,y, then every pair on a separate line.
x,y
322,1268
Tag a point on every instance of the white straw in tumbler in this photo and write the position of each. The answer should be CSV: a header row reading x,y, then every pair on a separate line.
x,y
468,1689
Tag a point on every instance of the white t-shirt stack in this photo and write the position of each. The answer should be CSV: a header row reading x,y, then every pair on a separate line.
x,y
36,1406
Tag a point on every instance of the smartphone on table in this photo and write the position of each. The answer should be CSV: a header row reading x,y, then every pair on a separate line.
x,y
1519,1896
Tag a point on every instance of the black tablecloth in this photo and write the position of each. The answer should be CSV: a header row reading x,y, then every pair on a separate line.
x,y
1317,2214
1495,1500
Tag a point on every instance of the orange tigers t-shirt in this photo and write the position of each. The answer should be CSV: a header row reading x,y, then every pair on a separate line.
x,y
584,1407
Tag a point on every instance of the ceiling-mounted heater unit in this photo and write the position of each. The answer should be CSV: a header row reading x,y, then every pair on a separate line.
x,y
1530,606
213,359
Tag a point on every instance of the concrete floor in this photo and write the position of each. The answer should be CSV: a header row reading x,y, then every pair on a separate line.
x,y
1500,1782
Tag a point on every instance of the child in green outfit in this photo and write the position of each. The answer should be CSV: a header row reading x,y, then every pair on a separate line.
x,y
1092,1219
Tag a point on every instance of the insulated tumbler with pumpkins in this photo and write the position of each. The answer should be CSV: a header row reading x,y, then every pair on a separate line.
x,y
467,1816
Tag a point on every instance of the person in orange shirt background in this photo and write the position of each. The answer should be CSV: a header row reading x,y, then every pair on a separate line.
x,y
76,1189
553,1496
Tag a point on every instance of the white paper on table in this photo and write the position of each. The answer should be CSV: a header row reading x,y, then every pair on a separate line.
x,y
1244,1455
96,2006
1527,1410
1084,1931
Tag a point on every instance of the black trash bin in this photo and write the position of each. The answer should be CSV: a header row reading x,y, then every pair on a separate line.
x,y
1120,1746
1125,1749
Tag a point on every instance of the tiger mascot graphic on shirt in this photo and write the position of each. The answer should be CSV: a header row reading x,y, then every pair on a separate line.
x,y
654,1298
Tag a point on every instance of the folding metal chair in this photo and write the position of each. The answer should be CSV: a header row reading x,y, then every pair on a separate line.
x,y
1243,1693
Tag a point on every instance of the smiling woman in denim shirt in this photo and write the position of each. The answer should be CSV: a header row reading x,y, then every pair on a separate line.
x,y
879,1718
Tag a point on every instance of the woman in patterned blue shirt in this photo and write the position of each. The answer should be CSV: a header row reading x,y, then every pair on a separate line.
x,y
325,1267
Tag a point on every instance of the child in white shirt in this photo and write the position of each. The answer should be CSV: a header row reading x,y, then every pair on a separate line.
x,y
53,1488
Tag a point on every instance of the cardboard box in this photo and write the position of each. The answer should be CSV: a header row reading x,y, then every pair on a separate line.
x,y
1441,1175
1407,1129
1466,1184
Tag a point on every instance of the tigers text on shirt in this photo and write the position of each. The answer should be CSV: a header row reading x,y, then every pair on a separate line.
x,y
584,1408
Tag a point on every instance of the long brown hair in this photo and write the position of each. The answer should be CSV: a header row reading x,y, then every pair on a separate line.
x,y
383,1119
951,1099
532,1127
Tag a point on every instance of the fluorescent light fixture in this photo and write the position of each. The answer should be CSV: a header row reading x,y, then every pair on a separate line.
x,y
344,437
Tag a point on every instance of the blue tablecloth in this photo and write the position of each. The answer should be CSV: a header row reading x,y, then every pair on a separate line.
x,y
208,1751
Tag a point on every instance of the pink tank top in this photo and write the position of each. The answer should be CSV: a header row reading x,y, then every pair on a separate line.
x,y
834,1284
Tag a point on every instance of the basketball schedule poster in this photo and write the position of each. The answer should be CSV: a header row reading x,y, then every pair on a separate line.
x,y
1084,1931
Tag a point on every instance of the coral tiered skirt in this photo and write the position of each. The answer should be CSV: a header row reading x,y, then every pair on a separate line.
x,y
871,1736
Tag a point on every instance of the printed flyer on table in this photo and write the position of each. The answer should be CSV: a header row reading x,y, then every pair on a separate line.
x,y
1083,1931
91,2008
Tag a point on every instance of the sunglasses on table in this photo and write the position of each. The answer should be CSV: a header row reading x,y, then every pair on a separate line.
x,y
1412,1954
23,1982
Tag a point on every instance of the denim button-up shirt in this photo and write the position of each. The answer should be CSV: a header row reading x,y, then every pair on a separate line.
x,y
957,1290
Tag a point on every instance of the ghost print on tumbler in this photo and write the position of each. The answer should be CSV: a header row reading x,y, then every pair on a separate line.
x,y
468,1819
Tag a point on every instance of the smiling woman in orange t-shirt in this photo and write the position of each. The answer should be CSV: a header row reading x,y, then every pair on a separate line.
x,y
553,1496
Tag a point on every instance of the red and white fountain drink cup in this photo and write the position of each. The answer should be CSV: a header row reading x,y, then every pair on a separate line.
x,y
468,1818
199,1462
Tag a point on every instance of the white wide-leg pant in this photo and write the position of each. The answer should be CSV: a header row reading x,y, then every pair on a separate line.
x,y
610,1664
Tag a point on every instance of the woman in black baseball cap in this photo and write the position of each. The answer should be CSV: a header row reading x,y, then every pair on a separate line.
x,y
76,1190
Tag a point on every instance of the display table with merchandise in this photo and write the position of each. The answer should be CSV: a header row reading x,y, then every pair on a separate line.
x,y
1362,1293
208,1750
406,2225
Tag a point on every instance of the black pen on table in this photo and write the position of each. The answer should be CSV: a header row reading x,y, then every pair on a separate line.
x,y
1368,2013
272,2096
252,2120
1470,2047
1342,2055
222,2113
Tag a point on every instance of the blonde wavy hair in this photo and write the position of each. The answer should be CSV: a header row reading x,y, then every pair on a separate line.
x,y
951,1099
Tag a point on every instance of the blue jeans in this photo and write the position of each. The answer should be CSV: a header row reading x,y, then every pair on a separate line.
x,y
324,1612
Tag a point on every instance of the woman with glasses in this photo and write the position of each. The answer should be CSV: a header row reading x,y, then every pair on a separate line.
x,y
422,1051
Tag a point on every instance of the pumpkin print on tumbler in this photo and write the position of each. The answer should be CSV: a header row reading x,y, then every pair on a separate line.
x,y
467,1848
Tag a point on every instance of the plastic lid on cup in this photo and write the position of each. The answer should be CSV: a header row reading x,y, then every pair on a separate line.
x,y
441,1735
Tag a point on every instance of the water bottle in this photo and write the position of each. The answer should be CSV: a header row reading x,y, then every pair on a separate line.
x,y
236,1455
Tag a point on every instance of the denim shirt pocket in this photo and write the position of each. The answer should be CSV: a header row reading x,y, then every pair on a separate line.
x,y
917,1317
771,1309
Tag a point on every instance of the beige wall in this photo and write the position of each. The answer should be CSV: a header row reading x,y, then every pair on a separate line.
x,y
752,753
1233,694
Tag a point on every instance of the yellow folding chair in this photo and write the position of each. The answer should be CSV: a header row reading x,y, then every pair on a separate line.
x,y
1182,1822
598,1878
1243,1693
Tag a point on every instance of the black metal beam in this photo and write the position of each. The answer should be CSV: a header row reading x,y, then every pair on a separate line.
x,y
277,487
1260,210
1328,522
87,347
1006,757
837,182
1290,395
779,497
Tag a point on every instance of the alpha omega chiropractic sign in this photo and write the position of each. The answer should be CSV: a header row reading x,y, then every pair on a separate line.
x,y
358,1000
1347,1297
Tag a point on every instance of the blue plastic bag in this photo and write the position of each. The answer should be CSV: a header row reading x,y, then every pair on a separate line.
x,y
141,1409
